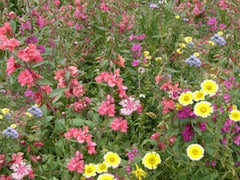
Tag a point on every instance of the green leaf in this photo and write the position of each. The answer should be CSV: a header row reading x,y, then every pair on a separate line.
x,y
56,92
44,82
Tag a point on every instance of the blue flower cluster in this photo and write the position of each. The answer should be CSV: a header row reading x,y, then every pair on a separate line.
x,y
36,111
218,40
193,61
10,132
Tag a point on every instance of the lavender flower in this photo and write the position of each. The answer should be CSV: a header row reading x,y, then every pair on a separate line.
x,y
35,111
10,132
153,6
193,61
218,40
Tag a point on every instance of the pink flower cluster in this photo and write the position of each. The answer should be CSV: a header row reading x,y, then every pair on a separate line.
x,y
107,107
74,88
27,77
113,80
76,163
81,104
30,54
126,23
119,124
130,105
20,168
82,136
6,43
168,105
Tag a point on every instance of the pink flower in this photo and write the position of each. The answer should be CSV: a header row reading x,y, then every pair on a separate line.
x,y
82,136
212,21
78,91
119,124
6,29
29,54
17,157
73,70
21,170
107,107
168,105
25,78
76,163
155,136
10,66
129,105
9,44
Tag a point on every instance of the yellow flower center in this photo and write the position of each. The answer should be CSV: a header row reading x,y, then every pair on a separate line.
x,y
195,152
152,160
186,98
89,170
112,159
203,109
209,87
199,95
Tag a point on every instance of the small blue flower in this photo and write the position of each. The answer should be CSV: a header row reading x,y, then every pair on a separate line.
x,y
190,44
36,111
8,116
10,132
218,40
193,61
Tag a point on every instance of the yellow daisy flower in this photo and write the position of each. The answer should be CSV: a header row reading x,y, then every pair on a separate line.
x,y
106,176
220,33
177,17
211,43
103,167
158,59
90,170
145,53
139,173
199,95
196,54
151,160
186,98
1,116
187,39
5,111
234,115
195,152
182,45
209,87
179,51
148,57
112,159
28,114
13,126
203,109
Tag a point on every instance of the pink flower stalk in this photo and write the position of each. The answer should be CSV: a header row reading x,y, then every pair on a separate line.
x,y
10,66
76,163
113,80
107,107
29,54
168,105
129,105
82,136
119,124
126,23
104,7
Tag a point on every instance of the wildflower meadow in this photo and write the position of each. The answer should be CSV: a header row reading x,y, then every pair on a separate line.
x,y
120,90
